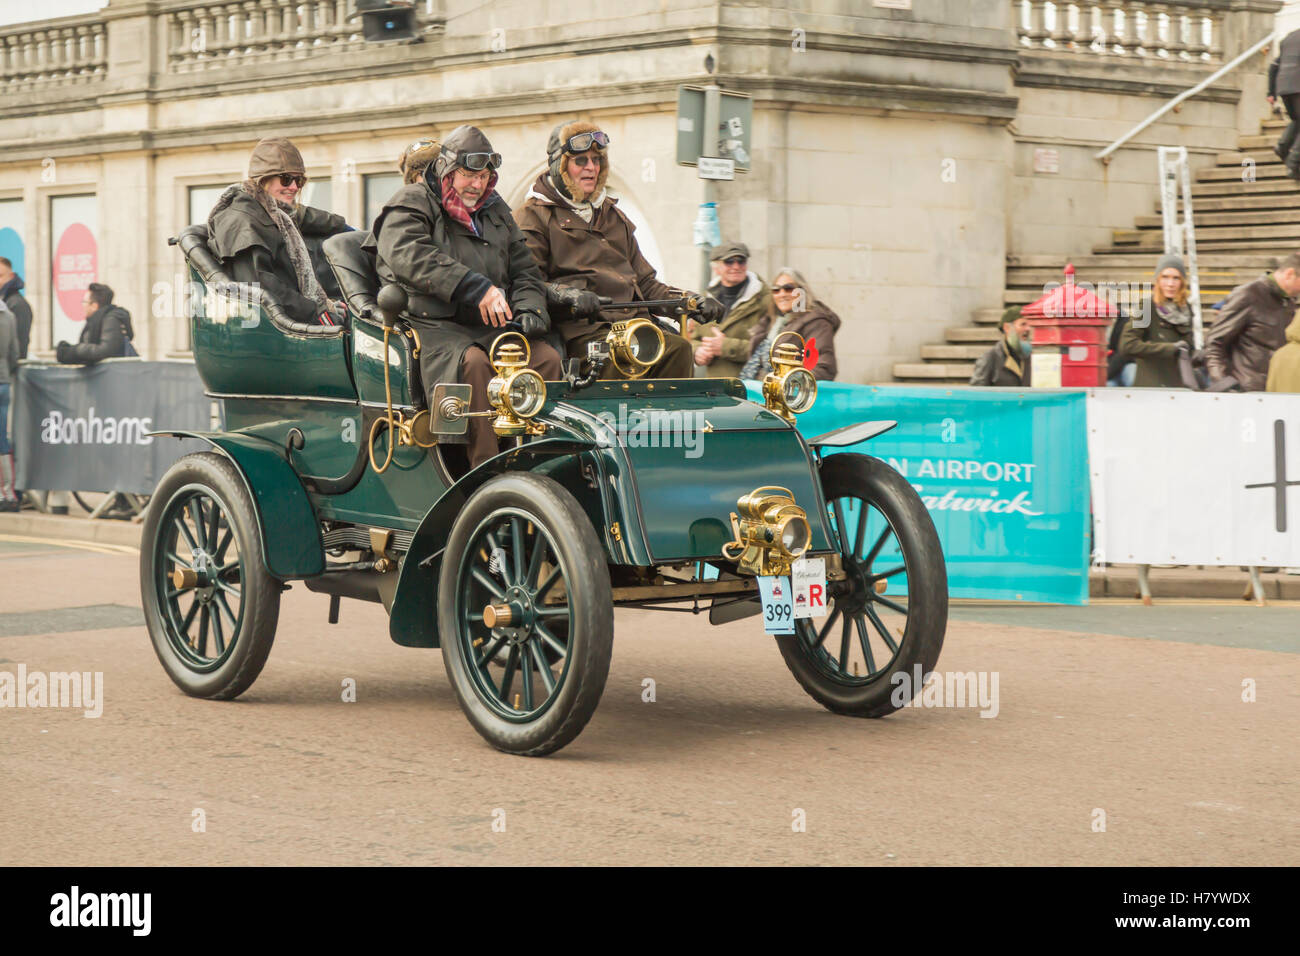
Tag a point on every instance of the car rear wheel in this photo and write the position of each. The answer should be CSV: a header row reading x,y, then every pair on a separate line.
x,y
210,606
524,580
890,612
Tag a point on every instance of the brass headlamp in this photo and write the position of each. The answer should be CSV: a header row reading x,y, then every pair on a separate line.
x,y
634,346
517,392
789,389
771,532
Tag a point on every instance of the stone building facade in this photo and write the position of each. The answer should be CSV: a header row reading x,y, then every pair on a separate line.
x,y
901,148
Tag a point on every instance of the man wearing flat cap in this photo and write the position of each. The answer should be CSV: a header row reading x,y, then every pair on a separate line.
x,y
722,347
586,249
264,236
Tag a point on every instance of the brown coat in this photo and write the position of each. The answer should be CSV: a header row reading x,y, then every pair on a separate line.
x,y
818,323
601,256
1251,327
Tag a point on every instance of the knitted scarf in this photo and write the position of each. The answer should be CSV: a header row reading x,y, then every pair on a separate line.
x,y
455,206
293,241
760,362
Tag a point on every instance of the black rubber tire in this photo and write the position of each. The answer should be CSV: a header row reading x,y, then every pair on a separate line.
x,y
591,629
251,640
873,481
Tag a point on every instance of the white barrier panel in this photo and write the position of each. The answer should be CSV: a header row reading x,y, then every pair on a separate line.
x,y
1188,478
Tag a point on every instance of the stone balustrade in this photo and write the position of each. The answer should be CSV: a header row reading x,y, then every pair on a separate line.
x,y
1189,32
52,53
205,35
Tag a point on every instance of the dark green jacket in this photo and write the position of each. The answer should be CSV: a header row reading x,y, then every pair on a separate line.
x,y
1003,367
736,326
1151,341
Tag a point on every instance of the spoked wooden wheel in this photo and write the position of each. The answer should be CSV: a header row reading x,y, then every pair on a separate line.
x,y
890,611
525,614
210,605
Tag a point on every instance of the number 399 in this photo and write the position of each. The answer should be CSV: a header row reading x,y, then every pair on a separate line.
x,y
778,612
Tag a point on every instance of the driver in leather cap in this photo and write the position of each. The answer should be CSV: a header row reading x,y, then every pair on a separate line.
x,y
450,242
586,248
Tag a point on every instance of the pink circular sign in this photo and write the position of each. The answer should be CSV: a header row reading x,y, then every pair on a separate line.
x,y
75,266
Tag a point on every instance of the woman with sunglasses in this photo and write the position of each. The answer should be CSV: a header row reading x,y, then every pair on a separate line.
x,y
450,242
586,249
263,235
794,308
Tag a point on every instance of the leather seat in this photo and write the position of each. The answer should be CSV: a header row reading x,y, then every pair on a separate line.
x,y
193,243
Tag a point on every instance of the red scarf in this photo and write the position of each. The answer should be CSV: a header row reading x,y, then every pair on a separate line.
x,y
453,204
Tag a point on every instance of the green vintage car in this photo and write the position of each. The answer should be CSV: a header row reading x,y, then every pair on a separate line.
x,y
332,470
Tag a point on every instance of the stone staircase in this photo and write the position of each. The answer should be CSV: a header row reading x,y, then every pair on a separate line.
x,y
1241,227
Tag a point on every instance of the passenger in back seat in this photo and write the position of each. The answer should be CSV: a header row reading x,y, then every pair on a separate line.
x,y
257,229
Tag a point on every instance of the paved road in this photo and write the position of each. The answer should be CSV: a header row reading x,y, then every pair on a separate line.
x,y
1092,715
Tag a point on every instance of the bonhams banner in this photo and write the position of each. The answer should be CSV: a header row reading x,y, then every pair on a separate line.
x,y
1003,473
86,428
1187,478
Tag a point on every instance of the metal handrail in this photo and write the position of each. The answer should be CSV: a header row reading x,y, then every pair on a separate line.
x,y
1104,155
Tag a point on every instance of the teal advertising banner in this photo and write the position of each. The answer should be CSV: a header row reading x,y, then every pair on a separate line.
x,y
1003,472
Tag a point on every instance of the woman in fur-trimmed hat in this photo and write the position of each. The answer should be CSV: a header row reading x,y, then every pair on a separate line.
x,y
585,247
263,235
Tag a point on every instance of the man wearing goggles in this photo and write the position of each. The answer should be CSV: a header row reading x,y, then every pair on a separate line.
x,y
586,249
450,242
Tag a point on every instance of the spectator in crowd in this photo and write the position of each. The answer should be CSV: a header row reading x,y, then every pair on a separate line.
x,y
415,158
794,308
1162,334
722,347
1007,363
8,371
1284,367
452,244
1252,326
586,248
1120,369
261,234
1284,85
106,334
11,293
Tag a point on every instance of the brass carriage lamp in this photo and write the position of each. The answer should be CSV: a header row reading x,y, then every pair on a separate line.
x,y
789,389
517,392
771,532
635,346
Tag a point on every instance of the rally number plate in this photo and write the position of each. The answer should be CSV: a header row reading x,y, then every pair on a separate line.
x,y
778,605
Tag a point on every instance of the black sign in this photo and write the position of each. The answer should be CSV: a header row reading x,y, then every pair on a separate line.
x,y
86,428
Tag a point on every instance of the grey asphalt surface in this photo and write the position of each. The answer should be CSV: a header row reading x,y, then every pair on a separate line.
x,y
1093,715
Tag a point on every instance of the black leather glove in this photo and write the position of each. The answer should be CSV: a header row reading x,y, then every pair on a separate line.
x,y
580,302
711,310
530,323
63,353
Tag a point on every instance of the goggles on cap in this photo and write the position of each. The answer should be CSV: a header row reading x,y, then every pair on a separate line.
x,y
475,162
585,141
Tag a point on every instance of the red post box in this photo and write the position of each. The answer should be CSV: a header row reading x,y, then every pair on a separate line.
x,y
1069,336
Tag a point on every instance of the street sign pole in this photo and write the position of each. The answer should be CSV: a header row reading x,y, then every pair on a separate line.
x,y
709,147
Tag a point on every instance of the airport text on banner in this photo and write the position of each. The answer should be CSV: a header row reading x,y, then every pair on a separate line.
x,y
1003,472
1187,478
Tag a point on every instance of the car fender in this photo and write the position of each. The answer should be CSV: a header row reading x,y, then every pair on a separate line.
x,y
413,619
292,549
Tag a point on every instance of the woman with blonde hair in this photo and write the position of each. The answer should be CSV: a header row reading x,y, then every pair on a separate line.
x,y
794,308
1162,332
